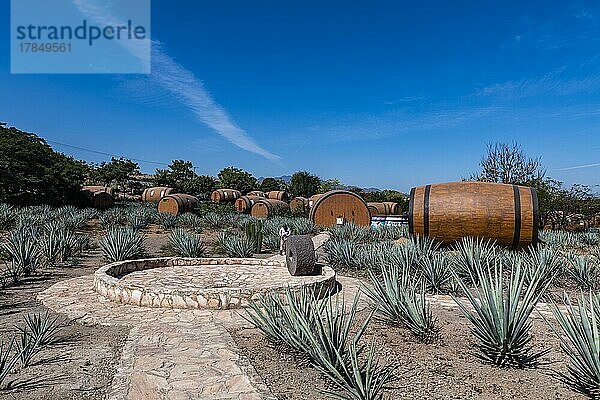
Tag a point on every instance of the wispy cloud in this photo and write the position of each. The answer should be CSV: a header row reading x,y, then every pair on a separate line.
x,y
553,83
181,83
399,122
406,99
579,167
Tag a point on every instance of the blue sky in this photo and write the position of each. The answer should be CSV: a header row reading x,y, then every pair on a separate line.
x,y
377,94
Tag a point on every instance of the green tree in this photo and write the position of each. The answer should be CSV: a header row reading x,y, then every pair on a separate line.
x,y
118,172
32,173
507,163
203,185
304,184
181,176
238,179
270,184
330,184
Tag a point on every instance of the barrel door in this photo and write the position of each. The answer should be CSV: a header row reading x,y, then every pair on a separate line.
x,y
508,214
340,207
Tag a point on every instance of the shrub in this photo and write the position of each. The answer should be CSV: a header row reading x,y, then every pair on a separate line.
x,y
57,243
23,251
167,220
236,246
43,328
422,247
580,341
121,244
584,271
111,218
7,362
500,316
472,255
186,244
395,298
436,272
322,329
343,254
215,220
137,221
351,233
545,263
191,221
358,380
390,232
7,216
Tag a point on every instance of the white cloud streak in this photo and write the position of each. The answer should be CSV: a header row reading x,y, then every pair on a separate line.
x,y
181,83
553,83
579,167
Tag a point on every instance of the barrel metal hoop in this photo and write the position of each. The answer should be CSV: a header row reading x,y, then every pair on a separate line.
x,y
411,206
426,211
517,233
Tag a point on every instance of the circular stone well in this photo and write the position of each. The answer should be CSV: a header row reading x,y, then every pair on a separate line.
x,y
217,283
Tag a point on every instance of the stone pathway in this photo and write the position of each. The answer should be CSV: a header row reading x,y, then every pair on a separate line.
x,y
169,353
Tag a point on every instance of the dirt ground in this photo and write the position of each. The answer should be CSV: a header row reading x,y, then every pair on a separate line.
x,y
445,369
82,362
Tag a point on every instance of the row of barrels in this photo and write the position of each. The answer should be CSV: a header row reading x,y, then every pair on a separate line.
x,y
230,195
504,213
507,214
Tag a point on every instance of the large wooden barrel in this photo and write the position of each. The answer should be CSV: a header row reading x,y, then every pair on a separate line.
x,y
265,208
508,214
381,209
339,207
100,197
257,193
299,204
154,194
278,195
177,203
244,204
225,195
101,200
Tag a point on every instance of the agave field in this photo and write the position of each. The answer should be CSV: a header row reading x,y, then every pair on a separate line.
x,y
411,319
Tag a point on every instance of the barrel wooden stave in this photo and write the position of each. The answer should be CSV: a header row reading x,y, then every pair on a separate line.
x,y
102,200
177,203
225,195
244,204
340,205
264,208
278,195
154,194
383,208
451,211
299,204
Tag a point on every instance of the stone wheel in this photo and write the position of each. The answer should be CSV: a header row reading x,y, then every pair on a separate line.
x,y
300,255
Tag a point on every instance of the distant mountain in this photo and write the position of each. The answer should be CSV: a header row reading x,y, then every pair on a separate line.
x,y
285,178
371,190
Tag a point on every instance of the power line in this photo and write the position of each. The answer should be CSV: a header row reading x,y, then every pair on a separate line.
x,y
105,154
